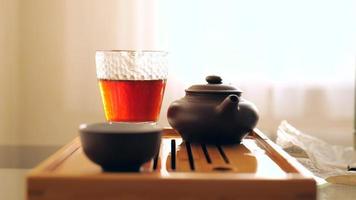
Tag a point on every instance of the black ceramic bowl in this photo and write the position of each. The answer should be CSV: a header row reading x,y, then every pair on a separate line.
x,y
120,146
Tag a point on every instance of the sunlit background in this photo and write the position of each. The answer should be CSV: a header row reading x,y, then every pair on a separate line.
x,y
294,59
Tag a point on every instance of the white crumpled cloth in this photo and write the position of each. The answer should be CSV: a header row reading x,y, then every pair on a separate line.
x,y
322,159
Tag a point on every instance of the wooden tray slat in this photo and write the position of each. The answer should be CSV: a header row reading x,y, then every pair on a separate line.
x,y
182,160
201,163
242,159
217,159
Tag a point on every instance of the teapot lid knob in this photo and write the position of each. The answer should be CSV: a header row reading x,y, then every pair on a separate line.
x,y
213,79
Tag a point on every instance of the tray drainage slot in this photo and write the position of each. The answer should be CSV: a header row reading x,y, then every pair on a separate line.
x,y
206,153
155,160
190,156
222,168
173,154
223,155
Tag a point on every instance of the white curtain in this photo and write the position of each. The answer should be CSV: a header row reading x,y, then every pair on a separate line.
x,y
294,59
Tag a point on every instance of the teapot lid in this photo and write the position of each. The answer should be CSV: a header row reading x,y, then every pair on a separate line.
x,y
214,86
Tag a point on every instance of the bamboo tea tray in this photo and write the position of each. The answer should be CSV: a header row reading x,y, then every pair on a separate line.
x,y
255,169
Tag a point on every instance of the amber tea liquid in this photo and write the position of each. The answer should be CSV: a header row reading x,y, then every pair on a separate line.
x,y
132,100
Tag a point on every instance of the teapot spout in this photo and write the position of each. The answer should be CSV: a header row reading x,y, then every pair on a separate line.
x,y
229,105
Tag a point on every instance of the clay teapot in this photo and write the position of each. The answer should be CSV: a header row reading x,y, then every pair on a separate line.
x,y
213,113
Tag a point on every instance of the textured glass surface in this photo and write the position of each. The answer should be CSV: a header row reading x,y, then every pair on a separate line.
x,y
131,65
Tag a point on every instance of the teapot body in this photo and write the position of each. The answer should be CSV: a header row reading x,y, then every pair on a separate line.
x,y
204,118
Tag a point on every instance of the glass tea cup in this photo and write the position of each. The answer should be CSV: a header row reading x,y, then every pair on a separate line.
x,y
132,84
